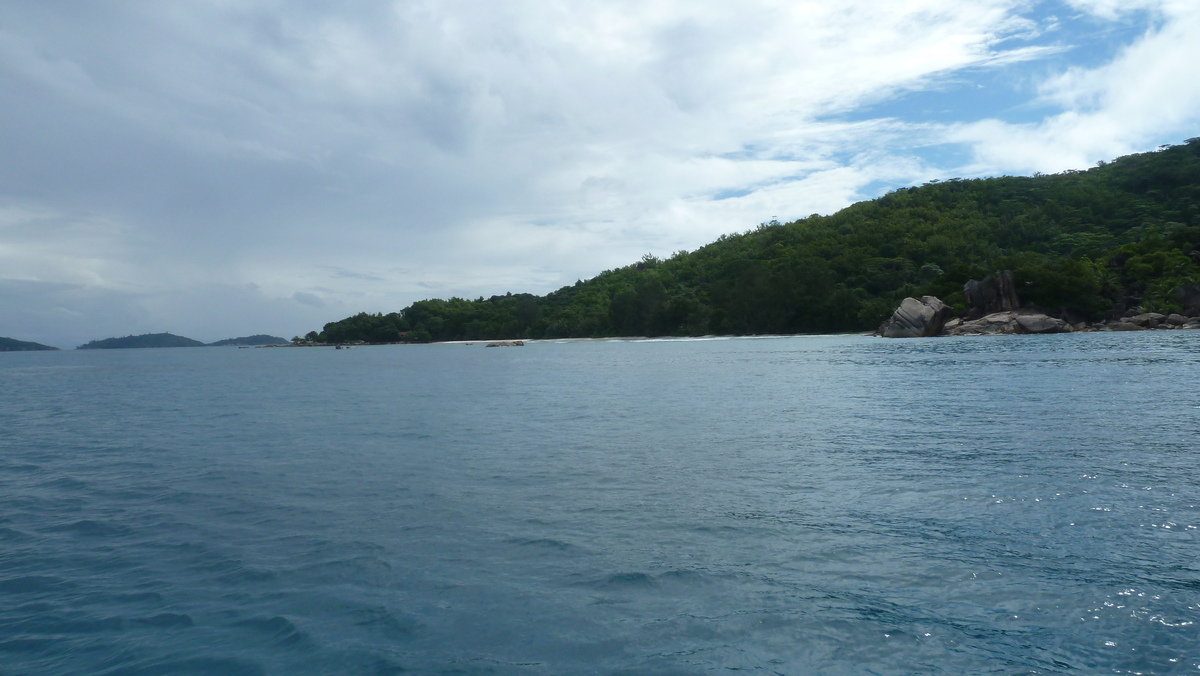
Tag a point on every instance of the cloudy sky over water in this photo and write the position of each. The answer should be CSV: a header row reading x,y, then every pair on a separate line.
x,y
223,168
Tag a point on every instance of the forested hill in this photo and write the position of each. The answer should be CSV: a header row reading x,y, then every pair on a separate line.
x,y
144,340
1082,243
255,340
13,345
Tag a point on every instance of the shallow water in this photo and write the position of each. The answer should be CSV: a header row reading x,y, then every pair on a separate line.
x,y
1023,504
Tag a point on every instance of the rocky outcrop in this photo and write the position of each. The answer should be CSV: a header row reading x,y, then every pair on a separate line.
x,y
929,316
1150,320
506,343
1030,321
995,293
917,318
1123,326
992,324
1039,323
1013,321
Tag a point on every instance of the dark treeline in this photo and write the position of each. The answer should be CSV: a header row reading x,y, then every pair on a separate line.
x,y
1082,244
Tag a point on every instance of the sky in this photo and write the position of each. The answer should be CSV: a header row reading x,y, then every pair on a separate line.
x,y
219,168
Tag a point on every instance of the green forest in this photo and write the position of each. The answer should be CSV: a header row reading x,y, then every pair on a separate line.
x,y
1081,244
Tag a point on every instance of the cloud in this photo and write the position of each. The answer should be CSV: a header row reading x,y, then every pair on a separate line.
x,y
1134,102
1114,9
308,159
41,244
309,299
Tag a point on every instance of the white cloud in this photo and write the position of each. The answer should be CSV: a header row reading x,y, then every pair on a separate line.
x,y
1142,97
329,158
1115,9
40,244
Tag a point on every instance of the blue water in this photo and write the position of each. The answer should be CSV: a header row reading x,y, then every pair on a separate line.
x,y
835,505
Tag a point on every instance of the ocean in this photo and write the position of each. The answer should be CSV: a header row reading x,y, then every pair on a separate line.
x,y
779,505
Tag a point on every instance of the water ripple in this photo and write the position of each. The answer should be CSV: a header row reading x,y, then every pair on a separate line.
x,y
835,505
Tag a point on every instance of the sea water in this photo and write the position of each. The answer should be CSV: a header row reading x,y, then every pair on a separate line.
x,y
794,505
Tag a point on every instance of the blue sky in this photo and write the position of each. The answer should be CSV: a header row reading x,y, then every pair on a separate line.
x,y
221,169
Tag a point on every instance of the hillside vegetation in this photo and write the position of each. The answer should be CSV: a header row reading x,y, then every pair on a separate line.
x,y
1082,244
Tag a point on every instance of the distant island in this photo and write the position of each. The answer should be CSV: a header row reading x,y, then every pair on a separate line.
x,y
1120,240
13,345
172,340
254,341
145,340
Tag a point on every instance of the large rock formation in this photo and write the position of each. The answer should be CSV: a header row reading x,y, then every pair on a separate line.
x,y
987,325
1013,321
917,318
995,293
1039,323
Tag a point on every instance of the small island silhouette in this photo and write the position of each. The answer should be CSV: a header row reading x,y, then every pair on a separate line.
x,y
172,340
144,340
14,345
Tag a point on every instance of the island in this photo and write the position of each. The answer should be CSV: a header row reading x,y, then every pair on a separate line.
x,y
14,345
144,340
1117,242
256,340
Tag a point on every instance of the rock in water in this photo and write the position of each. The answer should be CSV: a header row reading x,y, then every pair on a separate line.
x,y
996,293
1147,319
917,318
987,325
1123,326
1035,323
1015,321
